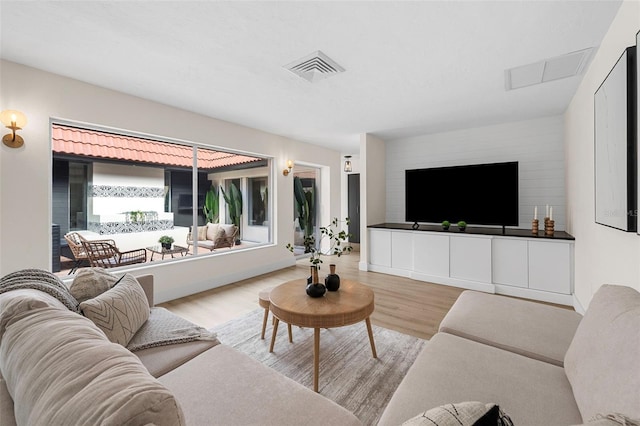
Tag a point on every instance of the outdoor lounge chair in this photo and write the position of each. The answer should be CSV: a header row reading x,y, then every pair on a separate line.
x,y
75,240
213,235
105,254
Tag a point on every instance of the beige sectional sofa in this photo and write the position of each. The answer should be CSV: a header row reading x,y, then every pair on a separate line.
x,y
59,368
542,365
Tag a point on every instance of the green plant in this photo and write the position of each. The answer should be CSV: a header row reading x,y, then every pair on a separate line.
x,y
234,204
462,224
211,207
446,224
305,210
336,238
166,239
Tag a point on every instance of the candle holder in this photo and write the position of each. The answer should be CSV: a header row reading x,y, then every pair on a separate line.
x,y
548,227
534,226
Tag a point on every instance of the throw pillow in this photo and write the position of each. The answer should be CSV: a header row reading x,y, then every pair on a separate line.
x,y
202,233
60,369
615,419
120,311
228,229
213,230
469,413
91,282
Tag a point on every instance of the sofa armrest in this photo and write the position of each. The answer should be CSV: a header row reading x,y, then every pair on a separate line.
x,y
146,281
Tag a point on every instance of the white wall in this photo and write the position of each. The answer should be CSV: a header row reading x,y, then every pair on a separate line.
x,y
537,145
25,174
602,255
126,175
372,190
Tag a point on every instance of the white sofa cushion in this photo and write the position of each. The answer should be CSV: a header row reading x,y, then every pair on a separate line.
x,y
91,282
60,368
120,311
603,360
213,230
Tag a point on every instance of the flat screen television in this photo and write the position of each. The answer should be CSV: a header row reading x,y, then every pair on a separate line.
x,y
480,194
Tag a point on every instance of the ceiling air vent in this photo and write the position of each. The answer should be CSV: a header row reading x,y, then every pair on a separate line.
x,y
550,69
315,67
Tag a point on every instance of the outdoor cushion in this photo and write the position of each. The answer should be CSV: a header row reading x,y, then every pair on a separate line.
x,y
228,229
602,362
59,367
212,231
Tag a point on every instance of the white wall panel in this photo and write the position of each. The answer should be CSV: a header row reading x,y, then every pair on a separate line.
x,y
537,145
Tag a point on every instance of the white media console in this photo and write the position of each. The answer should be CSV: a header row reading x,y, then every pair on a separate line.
x,y
515,263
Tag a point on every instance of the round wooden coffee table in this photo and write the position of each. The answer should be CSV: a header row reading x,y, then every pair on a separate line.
x,y
351,304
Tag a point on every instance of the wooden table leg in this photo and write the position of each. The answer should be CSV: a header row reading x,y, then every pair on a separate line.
x,y
373,345
290,333
264,322
316,357
275,331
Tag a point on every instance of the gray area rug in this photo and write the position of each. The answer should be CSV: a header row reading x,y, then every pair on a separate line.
x,y
348,373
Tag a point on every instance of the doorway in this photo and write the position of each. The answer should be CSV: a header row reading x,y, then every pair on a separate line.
x,y
353,197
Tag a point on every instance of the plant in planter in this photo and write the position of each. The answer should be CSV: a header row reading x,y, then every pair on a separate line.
x,y
233,199
462,225
211,206
336,237
445,224
166,241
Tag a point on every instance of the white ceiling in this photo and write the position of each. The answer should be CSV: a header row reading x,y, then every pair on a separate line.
x,y
412,67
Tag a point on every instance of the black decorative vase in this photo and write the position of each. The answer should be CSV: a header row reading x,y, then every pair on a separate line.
x,y
315,289
332,281
166,246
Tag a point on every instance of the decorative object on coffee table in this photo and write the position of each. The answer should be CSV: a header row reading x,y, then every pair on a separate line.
x,y
316,289
332,281
462,225
166,241
336,240
445,225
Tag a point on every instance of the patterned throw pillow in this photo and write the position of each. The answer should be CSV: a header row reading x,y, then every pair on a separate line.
x,y
469,413
91,282
120,311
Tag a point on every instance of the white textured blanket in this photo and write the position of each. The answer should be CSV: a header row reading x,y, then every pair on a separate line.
x,y
166,328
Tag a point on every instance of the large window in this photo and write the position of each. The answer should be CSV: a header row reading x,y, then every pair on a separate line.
x,y
133,190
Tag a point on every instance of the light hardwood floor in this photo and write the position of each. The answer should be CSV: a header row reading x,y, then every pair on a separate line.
x,y
411,307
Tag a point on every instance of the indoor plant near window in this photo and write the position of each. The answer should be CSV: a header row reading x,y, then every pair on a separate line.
x,y
337,238
305,209
445,225
462,225
166,241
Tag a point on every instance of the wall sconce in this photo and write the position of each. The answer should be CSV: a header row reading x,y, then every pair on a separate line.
x,y
286,171
14,120
347,164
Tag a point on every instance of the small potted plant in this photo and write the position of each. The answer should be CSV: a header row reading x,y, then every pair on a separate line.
x,y
462,225
166,241
446,225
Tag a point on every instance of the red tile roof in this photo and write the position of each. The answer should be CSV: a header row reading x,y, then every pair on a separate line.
x,y
91,143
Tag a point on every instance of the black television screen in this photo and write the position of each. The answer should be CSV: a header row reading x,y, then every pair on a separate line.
x,y
481,194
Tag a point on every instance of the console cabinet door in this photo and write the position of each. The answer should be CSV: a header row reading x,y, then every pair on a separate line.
x,y
380,247
471,258
402,250
510,262
431,254
550,266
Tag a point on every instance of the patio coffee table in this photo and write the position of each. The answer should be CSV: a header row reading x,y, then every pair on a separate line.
x,y
351,304
182,251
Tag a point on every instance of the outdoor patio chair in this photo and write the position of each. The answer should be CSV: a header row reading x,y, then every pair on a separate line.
x,y
104,254
75,240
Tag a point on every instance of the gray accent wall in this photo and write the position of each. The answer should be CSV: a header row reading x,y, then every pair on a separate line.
x,y
536,144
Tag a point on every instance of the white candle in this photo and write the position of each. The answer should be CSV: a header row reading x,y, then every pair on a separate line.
x,y
535,212
547,211
551,213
